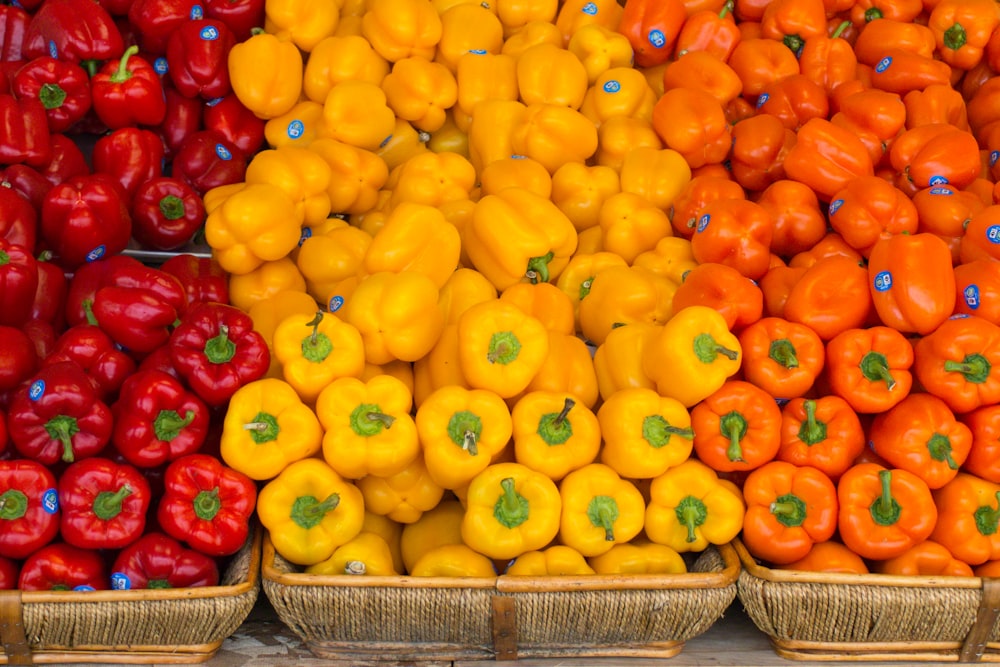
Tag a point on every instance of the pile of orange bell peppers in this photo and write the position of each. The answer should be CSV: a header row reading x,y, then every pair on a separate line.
x,y
644,275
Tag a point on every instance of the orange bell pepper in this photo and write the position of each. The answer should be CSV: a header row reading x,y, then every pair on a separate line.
x,y
652,28
912,282
548,74
876,117
968,518
736,233
724,289
831,296
568,369
877,36
792,22
936,104
982,235
827,157
829,60
870,368
959,362
984,455
578,276
901,71
831,245
736,428
928,558
760,146
935,154
693,123
783,358
709,30
871,208
758,62
962,30
829,557
544,301
700,70
824,433
903,11
944,210
977,287
797,222
794,100
776,285
696,193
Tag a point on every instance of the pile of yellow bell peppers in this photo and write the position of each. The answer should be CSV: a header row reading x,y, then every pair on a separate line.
x,y
460,206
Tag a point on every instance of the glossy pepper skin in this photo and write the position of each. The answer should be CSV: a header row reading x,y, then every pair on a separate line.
x,y
63,567
84,219
781,357
166,213
251,226
599,510
62,87
367,554
553,433
139,307
128,92
929,558
103,504
156,561
154,21
73,30
206,505
968,518
651,29
402,497
216,350
207,159
829,556
315,350
132,155
265,73
202,278
197,58
736,427
19,280
94,350
29,507
870,368
644,434
982,460
20,218
959,362
27,125
823,433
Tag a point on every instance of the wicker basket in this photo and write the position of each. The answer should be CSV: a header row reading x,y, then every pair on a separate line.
x,y
172,626
362,620
816,616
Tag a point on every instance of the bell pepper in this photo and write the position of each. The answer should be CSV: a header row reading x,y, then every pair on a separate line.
x,y
783,358
689,508
268,279
138,309
553,433
510,510
207,159
737,427
659,174
466,27
131,156
434,179
367,554
789,509
831,556
724,289
72,30
692,355
156,561
580,191
235,122
875,116
240,16
300,173
400,29
265,73
568,369
760,144
883,512
368,427
982,460
618,360
415,238
288,20
955,362
420,91
967,519
936,104
934,154
27,129
545,302
484,76
85,219
20,218
928,558
944,210
650,300
828,59
630,225
644,434
870,368
978,241
357,113
62,87
792,23
577,278
843,157
500,347
309,511
29,507
599,47
639,558
202,277
216,350
18,357
404,496
19,282
460,431
436,527
491,127
57,415
327,258
88,345
550,74
693,122
823,433
599,510
102,504
14,19
557,560
157,420
206,504
796,219
314,351
870,208
166,213
357,177
830,297
128,92
453,560
736,233
63,567
906,297
183,117
267,428
759,61
652,29
553,135
962,31
340,58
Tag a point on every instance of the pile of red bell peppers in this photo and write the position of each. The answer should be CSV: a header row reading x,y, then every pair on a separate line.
x,y
117,116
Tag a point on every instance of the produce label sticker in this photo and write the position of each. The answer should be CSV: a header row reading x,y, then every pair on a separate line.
x,y
883,281
883,64
209,33
703,222
657,38
84,588
941,191
971,296
835,206
589,8
612,86
50,501
762,100
37,390
305,235
120,582
197,13
223,152
937,180
96,253
296,129
993,233
336,303
160,65
994,156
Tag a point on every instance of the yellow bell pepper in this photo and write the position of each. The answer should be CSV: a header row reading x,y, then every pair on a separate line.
x,y
265,72
623,295
639,558
265,281
309,511
449,138
577,15
453,560
467,27
545,302
517,235
337,59
436,527
404,143
256,224
500,347
483,76
349,25
692,355
578,276
599,509
557,560
658,175
438,368
568,369
301,173
619,135
369,430
431,179
400,29
401,370
619,91
689,508
391,533
366,554
644,433
268,312
415,238
671,258
510,510
589,241
618,360
580,190
267,427
548,74
533,32
213,198
464,288
357,113
459,213
553,135
402,497
516,14
303,22
325,260
299,126
554,434
316,350
420,91
397,314
631,225
460,431
600,49
521,172
356,175
493,122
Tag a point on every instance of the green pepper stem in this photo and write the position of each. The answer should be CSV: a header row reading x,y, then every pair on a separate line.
x,y
307,512
220,350
885,510
975,368
172,207
840,29
875,367
206,504
168,424
811,431
783,352
939,447
734,426
707,350
13,504
691,513
603,512
51,95
122,74
511,508
988,518
63,428
108,505
538,268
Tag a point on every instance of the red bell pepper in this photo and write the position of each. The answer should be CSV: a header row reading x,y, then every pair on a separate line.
x,y
128,92
85,219
9,571
198,58
67,161
138,308
14,21
42,336
62,567
57,415
159,360
155,20
18,218
157,561
18,283
182,119
91,277
86,344
27,182
103,504
216,351
207,505
157,419
50,296
29,507
18,359
235,122
241,16
62,87
25,131
207,160
132,155
166,213
204,280
4,438
73,30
